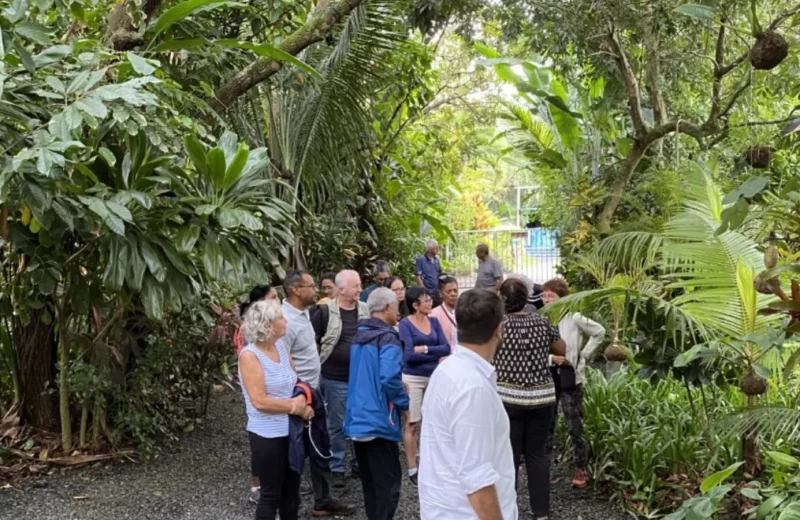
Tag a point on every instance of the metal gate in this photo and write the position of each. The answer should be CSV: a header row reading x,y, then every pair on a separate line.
x,y
529,251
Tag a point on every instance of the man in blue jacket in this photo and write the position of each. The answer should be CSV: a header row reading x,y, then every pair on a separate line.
x,y
376,401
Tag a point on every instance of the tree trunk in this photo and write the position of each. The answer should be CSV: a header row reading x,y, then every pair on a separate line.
x,y
36,350
619,185
63,392
752,457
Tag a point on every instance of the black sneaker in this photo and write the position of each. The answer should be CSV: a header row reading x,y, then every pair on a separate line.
x,y
413,479
337,480
333,507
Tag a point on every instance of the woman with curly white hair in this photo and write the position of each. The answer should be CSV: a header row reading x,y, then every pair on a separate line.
x,y
268,379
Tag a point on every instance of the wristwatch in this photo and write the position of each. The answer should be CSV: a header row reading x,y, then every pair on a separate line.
x,y
426,349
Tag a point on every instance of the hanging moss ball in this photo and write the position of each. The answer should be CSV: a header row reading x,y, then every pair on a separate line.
x,y
615,353
770,49
758,156
753,384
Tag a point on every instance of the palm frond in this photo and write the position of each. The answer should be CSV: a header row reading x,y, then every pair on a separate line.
x,y
325,129
769,421
635,250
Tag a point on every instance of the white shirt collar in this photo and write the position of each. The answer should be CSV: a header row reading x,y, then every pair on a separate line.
x,y
291,310
483,366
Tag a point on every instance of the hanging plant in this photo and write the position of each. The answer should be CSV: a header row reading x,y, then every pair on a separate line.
x,y
770,48
758,156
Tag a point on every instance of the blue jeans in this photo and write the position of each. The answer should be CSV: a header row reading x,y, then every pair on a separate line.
x,y
335,394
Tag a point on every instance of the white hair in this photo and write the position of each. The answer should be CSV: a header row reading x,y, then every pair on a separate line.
x,y
430,244
343,276
527,281
381,298
257,323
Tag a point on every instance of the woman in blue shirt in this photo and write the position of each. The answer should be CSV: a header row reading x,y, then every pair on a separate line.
x,y
424,345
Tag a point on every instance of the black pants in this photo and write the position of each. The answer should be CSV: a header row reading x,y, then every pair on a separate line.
x,y
280,486
529,430
320,482
572,405
379,463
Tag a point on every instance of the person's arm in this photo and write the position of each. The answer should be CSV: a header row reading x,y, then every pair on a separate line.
x,y
498,275
390,361
442,347
486,504
419,271
410,355
593,330
253,380
472,433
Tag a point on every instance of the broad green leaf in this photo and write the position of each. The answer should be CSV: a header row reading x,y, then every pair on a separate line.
x,y
116,264
51,55
125,171
187,238
120,211
792,127
196,153
748,189
215,159
229,218
598,88
175,258
181,11
250,221
769,505
212,257
751,493
34,32
56,84
783,459
142,66
145,200
153,260
236,166
229,143
266,50
86,171
485,50
136,266
107,155
733,216
205,209
717,478
792,512
702,510
92,106
153,298
702,12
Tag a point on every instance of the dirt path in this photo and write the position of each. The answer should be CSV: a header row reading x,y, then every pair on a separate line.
x,y
205,477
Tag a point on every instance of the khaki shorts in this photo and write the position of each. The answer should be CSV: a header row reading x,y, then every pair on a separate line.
x,y
416,391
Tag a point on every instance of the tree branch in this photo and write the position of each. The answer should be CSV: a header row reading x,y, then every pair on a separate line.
x,y
719,59
631,85
734,98
321,22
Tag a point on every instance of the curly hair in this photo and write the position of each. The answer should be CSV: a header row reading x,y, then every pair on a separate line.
x,y
257,323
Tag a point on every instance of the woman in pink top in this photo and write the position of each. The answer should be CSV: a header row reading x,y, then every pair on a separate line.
x,y
446,312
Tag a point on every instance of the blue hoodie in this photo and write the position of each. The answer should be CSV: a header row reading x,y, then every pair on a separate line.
x,y
375,393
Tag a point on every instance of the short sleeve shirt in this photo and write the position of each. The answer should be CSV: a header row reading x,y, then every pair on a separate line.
x,y
429,270
488,272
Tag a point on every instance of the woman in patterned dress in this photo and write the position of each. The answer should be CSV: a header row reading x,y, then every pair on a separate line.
x,y
526,387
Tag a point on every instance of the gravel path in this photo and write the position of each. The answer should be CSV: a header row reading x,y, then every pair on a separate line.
x,y
205,477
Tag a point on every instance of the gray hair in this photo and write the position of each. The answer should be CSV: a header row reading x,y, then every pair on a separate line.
x,y
430,244
381,266
381,298
527,281
293,279
342,276
257,323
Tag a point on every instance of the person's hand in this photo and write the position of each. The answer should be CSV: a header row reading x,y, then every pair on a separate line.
x,y
298,403
560,361
307,414
443,358
420,349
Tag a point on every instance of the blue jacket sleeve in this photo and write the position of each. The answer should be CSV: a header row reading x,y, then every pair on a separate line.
x,y
390,360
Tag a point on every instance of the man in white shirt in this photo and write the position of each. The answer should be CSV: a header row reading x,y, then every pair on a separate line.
x,y
466,468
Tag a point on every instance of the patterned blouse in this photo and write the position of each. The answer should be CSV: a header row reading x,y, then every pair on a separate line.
x,y
522,361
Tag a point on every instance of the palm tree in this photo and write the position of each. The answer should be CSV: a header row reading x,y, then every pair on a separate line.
x,y
706,282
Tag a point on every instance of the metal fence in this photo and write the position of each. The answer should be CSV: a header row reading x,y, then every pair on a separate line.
x,y
531,252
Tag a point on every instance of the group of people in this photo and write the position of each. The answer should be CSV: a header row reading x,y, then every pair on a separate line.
x,y
469,384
